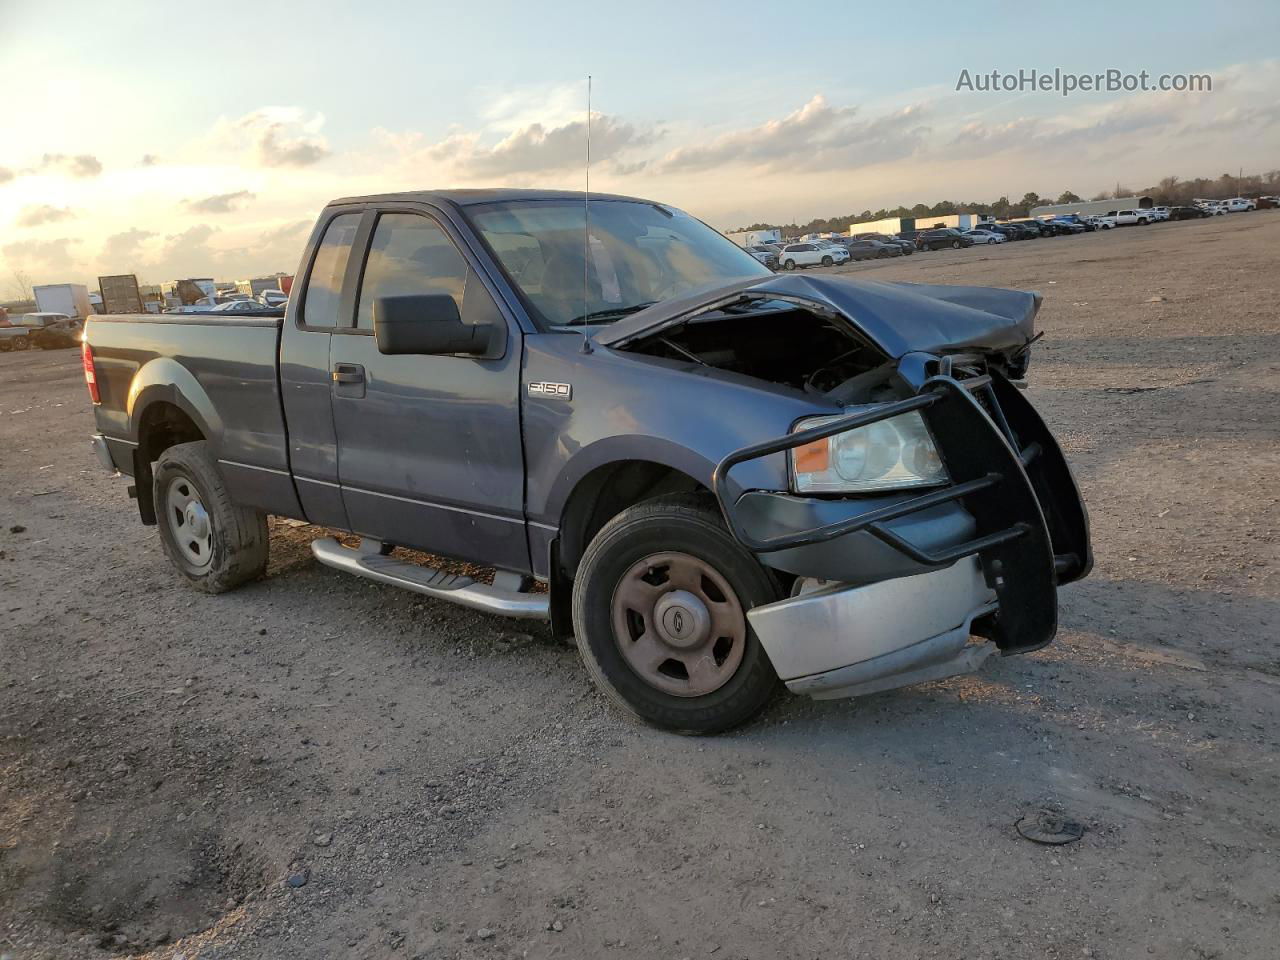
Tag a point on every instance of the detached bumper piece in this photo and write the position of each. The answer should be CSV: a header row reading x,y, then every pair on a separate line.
x,y
1011,553
851,641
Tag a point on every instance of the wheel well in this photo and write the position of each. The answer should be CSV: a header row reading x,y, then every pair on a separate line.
x,y
163,424
604,493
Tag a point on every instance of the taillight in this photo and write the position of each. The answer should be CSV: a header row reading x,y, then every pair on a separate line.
x,y
90,378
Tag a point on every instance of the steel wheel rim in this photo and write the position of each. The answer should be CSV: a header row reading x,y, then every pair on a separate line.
x,y
189,522
678,624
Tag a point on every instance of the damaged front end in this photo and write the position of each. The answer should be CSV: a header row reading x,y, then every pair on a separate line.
x,y
968,533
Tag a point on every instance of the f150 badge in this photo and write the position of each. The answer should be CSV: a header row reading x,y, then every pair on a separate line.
x,y
545,388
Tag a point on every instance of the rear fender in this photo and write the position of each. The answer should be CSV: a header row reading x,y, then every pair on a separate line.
x,y
164,379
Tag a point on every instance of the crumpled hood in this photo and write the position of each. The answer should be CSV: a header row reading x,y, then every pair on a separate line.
x,y
899,318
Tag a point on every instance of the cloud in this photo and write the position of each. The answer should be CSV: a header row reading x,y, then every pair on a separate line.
x,y
535,148
6,174
35,216
125,246
220,203
41,257
817,136
286,232
81,165
281,136
148,160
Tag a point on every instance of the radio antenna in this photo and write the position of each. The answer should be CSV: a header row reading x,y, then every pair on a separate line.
x,y
586,211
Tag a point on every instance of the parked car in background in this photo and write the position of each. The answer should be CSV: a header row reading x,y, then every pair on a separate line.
x,y
1159,213
1008,231
939,239
1188,213
1076,219
985,236
1056,228
766,255
1240,205
51,331
1103,222
1067,226
796,255
1215,208
13,336
871,249
1132,218
906,246
1030,228
275,298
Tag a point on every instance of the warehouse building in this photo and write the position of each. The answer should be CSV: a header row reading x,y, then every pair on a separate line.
x,y
1093,208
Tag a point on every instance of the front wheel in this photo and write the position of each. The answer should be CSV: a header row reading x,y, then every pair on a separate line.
x,y
826,261
215,544
659,609
788,265
955,244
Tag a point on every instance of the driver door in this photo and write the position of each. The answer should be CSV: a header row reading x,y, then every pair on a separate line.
x,y
429,451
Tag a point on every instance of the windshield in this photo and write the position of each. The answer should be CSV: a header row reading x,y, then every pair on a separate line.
x,y
641,253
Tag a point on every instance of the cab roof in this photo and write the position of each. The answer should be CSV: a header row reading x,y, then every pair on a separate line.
x,y
470,198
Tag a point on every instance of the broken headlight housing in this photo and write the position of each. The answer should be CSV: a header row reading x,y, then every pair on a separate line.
x,y
892,454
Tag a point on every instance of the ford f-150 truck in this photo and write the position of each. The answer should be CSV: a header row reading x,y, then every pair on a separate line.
x,y
714,478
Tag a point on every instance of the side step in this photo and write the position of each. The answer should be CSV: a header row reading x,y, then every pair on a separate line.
x,y
367,562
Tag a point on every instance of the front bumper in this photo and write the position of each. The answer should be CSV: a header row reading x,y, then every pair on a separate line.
x,y
846,641
920,571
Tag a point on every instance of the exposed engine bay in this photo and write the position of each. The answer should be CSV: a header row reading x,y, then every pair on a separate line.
x,y
780,343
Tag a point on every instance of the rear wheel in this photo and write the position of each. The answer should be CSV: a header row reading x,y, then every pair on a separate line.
x,y
659,609
215,544
22,343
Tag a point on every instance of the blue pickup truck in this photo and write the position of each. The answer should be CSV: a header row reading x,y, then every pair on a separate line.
x,y
715,478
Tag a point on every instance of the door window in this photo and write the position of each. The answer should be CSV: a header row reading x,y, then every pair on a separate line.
x,y
324,285
409,254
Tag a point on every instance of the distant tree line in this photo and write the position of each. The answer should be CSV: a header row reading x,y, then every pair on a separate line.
x,y
1170,191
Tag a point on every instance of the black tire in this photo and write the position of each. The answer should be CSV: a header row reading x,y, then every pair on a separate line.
x,y
22,343
956,244
788,264
691,525
237,537
827,261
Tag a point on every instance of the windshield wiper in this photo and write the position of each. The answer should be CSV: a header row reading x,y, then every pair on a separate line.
x,y
613,313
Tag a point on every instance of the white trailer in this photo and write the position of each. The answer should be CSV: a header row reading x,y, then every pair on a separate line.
x,y
750,238
69,298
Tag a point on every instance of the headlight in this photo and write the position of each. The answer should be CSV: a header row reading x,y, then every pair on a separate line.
x,y
889,455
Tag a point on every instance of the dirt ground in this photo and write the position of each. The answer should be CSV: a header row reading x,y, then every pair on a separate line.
x,y
316,766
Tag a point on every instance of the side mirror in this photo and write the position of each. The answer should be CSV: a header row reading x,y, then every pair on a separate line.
x,y
426,323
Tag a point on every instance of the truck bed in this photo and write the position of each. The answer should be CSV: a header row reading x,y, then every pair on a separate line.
x,y
220,372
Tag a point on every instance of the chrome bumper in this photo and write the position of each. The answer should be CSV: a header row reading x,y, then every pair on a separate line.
x,y
99,444
847,641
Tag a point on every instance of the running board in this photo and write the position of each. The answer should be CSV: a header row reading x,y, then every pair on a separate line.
x,y
367,562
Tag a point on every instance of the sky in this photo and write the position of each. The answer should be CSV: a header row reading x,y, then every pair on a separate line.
x,y
173,139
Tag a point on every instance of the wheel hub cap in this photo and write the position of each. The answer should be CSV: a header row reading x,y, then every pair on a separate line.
x,y
678,624
189,522
682,619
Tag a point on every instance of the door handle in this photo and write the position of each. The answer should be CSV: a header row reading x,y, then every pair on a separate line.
x,y
348,373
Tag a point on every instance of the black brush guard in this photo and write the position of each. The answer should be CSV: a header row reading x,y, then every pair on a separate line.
x,y
989,474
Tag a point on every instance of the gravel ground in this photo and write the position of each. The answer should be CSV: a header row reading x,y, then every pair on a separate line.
x,y
316,766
